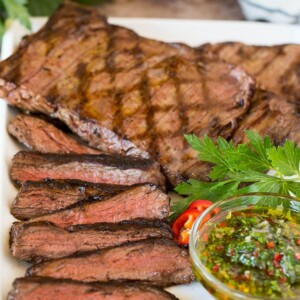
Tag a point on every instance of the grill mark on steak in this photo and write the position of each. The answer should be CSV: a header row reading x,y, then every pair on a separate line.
x,y
155,261
100,168
138,202
269,109
40,135
36,288
37,241
36,198
274,67
95,116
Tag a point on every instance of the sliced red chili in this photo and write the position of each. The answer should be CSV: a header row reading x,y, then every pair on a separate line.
x,y
183,224
200,205
270,245
216,268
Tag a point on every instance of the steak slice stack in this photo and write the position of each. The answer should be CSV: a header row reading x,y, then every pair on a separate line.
x,y
42,240
125,94
37,198
40,135
155,261
102,168
146,201
35,288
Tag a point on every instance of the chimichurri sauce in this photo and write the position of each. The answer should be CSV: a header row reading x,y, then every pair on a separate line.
x,y
256,252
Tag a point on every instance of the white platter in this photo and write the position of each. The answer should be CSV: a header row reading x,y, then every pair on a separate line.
x,y
191,32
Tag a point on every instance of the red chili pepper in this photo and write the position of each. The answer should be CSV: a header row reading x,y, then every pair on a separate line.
x,y
298,242
216,268
277,257
200,205
183,224
282,279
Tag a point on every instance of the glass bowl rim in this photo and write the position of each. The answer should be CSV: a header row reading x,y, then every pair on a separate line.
x,y
197,261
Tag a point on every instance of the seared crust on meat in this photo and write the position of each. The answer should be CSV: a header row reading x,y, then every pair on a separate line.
x,y
126,94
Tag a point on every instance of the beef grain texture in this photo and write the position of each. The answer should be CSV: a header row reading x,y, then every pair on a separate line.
x,y
38,241
102,168
35,288
159,262
146,201
37,198
138,96
40,135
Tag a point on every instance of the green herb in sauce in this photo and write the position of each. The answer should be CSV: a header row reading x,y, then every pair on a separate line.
x,y
256,252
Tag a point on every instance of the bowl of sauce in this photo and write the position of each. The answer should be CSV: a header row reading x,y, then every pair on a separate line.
x,y
250,249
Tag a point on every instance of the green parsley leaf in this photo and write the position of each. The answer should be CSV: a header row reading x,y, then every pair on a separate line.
x,y
16,9
242,169
47,7
43,7
285,159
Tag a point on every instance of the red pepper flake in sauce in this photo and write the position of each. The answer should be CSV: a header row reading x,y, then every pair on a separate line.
x,y
256,252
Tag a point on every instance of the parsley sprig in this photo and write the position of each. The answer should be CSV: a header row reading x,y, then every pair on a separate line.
x,y
242,169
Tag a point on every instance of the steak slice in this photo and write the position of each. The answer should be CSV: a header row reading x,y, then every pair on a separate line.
x,y
145,201
37,288
102,168
37,198
276,68
123,93
156,261
38,241
40,135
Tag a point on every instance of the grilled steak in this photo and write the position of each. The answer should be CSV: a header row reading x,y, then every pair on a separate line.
x,y
35,288
270,115
138,202
42,136
125,94
38,241
275,68
36,198
102,168
155,261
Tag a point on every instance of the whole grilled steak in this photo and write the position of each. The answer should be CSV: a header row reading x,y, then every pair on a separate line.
x,y
125,94
145,201
35,288
37,198
156,261
102,168
275,68
42,136
38,241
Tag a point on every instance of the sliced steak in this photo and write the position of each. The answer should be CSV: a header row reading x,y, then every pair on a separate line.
x,y
138,202
40,135
125,94
275,68
102,168
155,261
37,288
37,198
38,241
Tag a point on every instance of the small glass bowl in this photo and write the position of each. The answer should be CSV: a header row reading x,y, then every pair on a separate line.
x,y
219,211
